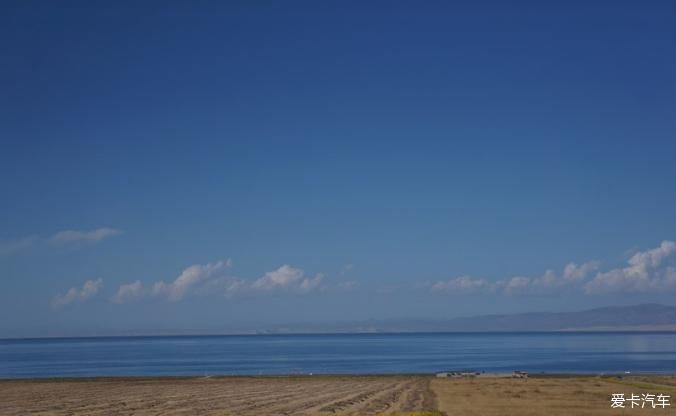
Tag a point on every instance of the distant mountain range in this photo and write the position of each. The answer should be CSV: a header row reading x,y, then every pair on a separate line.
x,y
644,317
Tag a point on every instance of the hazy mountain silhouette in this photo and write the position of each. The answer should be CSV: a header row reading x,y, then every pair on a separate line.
x,y
637,317
644,317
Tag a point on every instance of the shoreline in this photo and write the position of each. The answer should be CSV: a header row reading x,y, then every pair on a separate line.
x,y
671,329
492,375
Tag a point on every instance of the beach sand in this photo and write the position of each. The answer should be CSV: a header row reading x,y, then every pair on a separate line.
x,y
323,395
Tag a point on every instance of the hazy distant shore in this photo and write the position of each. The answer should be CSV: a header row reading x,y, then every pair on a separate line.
x,y
478,376
602,329
636,318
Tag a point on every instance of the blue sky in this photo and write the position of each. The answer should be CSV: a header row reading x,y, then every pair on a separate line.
x,y
231,164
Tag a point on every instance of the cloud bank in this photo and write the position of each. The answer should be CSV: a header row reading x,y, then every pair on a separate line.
x,y
646,271
461,284
191,276
128,292
287,277
74,294
174,290
649,270
61,238
211,277
549,281
93,236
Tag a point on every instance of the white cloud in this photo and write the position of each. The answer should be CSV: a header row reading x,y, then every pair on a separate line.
x,y
646,271
516,284
191,276
11,247
129,292
649,270
228,286
285,276
187,281
461,284
309,284
88,289
233,286
93,236
58,239
209,278
573,272
549,281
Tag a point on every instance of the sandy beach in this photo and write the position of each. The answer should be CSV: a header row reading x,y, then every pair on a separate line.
x,y
324,395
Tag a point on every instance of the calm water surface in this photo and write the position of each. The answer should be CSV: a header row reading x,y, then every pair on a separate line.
x,y
339,354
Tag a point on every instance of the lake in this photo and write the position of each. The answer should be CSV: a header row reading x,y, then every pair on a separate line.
x,y
339,354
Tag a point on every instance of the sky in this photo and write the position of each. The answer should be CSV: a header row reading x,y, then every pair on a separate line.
x,y
213,166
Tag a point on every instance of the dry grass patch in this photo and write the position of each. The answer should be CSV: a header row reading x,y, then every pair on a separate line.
x,y
540,396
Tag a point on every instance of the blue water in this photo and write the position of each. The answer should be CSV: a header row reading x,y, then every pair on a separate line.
x,y
339,354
